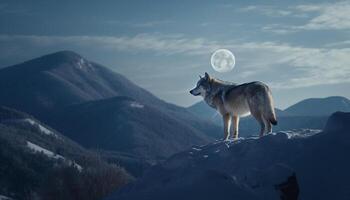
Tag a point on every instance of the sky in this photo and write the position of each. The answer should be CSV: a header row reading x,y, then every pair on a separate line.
x,y
301,49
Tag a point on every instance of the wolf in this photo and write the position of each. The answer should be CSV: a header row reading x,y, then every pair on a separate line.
x,y
234,101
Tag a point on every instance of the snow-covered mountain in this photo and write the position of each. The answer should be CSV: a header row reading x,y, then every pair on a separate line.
x,y
304,164
51,86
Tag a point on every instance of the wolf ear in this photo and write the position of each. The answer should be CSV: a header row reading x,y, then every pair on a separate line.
x,y
200,77
207,76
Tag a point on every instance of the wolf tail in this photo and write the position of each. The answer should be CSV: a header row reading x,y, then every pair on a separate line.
x,y
273,121
271,115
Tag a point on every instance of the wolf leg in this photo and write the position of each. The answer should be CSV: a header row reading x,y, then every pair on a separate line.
x,y
236,125
268,126
257,115
262,127
227,124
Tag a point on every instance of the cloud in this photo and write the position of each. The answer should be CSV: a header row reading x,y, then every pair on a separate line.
x,y
316,66
151,23
345,43
271,11
159,43
7,9
285,65
331,16
145,24
322,16
280,29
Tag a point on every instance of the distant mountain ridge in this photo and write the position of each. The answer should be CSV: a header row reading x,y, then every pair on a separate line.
x,y
308,113
319,106
50,86
307,107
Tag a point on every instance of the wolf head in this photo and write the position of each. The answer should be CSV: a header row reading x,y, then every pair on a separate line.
x,y
203,86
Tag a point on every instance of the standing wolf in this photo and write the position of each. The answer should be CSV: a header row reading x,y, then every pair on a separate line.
x,y
233,101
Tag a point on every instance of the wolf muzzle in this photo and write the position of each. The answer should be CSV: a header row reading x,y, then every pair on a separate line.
x,y
192,92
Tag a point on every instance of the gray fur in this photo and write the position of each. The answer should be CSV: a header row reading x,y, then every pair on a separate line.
x,y
233,101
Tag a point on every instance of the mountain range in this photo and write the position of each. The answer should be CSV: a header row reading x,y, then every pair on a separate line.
x,y
308,113
99,108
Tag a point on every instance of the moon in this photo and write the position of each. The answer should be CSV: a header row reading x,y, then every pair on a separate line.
x,y
223,60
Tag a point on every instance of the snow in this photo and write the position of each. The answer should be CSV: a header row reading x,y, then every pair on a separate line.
x,y
252,168
33,123
84,65
135,104
41,128
81,63
50,154
301,133
196,149
2,197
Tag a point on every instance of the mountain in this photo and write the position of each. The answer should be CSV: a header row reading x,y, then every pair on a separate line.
x,y
51,87
309,113
63,78
319,106
286,165
39,162
308,107
204,111
126,125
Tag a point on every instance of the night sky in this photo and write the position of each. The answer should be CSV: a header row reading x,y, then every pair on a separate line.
x,y
299,48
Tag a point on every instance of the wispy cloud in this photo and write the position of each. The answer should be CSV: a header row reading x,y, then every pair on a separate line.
x,y
152,23
317,66
268,10
145,24
329,16
322,16
6,9
280,29
158,43
305,66
340,44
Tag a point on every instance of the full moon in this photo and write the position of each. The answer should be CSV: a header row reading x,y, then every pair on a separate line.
x,y
222,60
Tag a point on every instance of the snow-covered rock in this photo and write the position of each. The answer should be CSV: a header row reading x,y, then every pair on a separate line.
x,y
304,164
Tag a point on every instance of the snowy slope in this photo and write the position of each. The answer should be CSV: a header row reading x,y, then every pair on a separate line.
x,y
38,149
2,197
42,128
306,163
